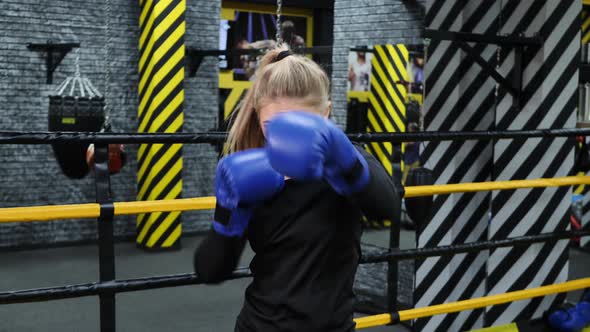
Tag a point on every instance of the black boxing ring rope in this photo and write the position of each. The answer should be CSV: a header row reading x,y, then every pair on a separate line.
x,y
116,286
107,286
131,285
420,253
10,137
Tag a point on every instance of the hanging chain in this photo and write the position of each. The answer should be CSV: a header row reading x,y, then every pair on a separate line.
x,y
107,59
279,13
77,63
498,52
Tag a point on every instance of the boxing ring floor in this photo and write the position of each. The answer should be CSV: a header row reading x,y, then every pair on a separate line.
x,y
197,308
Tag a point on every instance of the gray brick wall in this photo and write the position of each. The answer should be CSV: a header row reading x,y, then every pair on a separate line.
x,y
201,109
29,175
369,22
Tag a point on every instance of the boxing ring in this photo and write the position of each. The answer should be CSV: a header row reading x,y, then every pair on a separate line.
x,y
104,211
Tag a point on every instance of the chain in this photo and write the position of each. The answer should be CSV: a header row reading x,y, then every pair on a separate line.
x,y
499,52
279,13
107,58
77,63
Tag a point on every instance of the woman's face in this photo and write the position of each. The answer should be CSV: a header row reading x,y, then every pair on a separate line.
x,y
273,107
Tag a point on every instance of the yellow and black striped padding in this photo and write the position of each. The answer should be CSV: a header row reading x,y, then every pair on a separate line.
x,y
585,25
387,98
387,109
161,98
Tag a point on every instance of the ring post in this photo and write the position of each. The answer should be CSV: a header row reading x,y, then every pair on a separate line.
x,y
106,247
394,238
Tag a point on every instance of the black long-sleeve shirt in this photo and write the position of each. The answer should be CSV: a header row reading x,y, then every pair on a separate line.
x,y
307,247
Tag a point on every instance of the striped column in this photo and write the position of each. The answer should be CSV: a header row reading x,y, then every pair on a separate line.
x,y
585,16
387,108
459,96
549,101
161,98
585,241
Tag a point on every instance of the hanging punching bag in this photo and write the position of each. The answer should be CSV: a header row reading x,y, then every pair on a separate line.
x,y
419,209
80,110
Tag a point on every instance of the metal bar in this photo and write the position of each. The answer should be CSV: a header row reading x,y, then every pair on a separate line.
x,y
585,73
392,263
106,244
53,46
417,53
49,66
362,49
482,38
257,51
420,253
51,63
194,62
313,50
517,77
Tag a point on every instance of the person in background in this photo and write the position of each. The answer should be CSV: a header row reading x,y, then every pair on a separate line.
x,y
289,35
359,73
243,44
418,75
412,149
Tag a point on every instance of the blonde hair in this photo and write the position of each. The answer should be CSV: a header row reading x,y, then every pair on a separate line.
x,y
294,76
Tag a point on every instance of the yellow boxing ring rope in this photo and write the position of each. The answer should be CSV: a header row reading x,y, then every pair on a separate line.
x,y
445,308
92,210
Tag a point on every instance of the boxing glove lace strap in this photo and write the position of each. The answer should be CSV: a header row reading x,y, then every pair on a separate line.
x,y
222,215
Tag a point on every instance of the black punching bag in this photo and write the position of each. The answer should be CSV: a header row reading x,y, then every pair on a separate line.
x,y
75,106
419,208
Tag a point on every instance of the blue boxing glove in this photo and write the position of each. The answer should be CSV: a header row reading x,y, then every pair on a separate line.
x,y
583,308
306,146
567,320
242,181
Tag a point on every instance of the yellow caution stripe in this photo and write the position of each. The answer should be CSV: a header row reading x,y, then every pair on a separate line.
x,y
585,26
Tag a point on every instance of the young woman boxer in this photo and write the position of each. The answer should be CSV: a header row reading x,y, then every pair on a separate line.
x,y
295,187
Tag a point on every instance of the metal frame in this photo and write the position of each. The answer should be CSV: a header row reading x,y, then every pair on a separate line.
x,y
56,52
518,42
393,262
584,72
195,56
106,242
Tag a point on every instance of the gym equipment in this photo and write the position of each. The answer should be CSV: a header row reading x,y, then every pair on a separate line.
x,y
76,105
